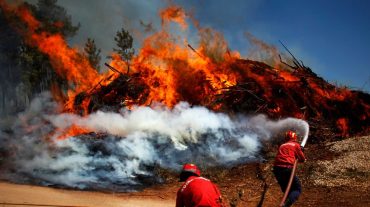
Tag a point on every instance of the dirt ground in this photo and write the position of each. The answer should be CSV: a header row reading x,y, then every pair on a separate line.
x,y
336,174
25,195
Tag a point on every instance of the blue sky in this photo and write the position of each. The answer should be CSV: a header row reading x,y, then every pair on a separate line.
x,y
330,36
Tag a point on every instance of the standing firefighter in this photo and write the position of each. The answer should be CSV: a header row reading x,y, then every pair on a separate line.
x,y
196,191
283,165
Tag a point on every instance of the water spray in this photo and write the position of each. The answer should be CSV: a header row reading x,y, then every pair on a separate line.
x,y
133,142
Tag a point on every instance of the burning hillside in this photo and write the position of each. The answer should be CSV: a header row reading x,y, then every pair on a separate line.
x,y
168,70
171,103
257,88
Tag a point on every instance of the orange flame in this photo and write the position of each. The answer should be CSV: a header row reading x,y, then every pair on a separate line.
x,y
175,14
175,71
342,124
66,61
73,131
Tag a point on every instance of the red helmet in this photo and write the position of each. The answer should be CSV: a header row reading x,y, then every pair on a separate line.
x,y
191,168
290,136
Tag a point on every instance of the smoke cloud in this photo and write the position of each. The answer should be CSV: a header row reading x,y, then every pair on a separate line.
x,y
101,20
123,148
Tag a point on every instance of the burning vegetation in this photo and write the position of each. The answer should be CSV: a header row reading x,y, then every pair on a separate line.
x,y
166,72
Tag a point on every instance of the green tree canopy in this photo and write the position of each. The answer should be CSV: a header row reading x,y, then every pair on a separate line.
x,y
92,53
124,42
55,18
38,74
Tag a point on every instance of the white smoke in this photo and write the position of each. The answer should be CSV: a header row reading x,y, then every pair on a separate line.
x,y
124,147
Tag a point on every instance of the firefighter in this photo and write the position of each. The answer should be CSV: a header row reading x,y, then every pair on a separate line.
x,y
196,190
283,165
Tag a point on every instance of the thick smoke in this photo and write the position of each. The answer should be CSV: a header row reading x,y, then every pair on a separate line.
x,y
124,148
101,20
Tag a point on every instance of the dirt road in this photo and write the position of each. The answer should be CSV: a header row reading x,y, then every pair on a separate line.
x,y
25,195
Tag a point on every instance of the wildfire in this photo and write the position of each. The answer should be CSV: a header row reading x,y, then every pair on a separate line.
x,y
172,70
342,124
72,131
66,61
168,67
175,14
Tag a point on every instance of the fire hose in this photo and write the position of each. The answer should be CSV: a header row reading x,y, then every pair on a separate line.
x,y
303,143
289,184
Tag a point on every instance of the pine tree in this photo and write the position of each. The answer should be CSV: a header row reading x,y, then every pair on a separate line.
x,y
55,18
38,73
92,53
23,67
124,42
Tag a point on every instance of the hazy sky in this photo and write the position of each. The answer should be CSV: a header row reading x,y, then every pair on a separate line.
x,y
331,36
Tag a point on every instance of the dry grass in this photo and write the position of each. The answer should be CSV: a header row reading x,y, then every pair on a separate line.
x,y
350,167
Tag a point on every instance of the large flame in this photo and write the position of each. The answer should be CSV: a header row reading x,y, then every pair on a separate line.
x,y
174,71
66,61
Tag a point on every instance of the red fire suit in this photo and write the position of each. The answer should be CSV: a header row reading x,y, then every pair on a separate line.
x,y
284,161
198,192
288,153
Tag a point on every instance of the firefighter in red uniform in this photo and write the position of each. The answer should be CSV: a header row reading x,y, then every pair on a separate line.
x,y
283,165
196,191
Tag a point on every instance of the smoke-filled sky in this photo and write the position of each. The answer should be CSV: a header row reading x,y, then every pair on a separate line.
x,y
331,37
